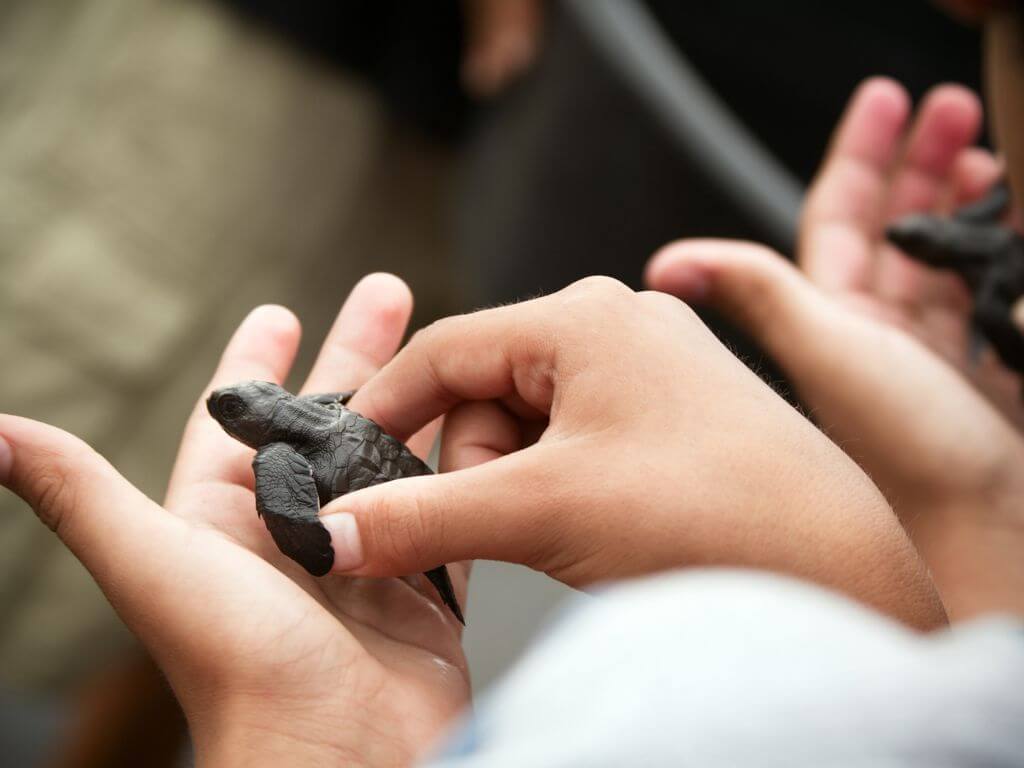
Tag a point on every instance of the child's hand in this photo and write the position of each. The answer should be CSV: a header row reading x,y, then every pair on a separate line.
x,y
624,439
271,665
859,330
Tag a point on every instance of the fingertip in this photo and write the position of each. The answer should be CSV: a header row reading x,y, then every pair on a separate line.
x,y
273,327
380,298
41,462
975,170
885,97
384,284
959,110
690,269
949,120
263,346
673,270
955,102
18,430
874,120
680,251
657,264
274,317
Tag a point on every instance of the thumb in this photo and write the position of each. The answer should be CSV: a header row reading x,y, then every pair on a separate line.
x,y
102,518
759,290
500,510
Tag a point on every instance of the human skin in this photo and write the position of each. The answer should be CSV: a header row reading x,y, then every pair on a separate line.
x,y
622,439
502,40
271,666
660,450
876,344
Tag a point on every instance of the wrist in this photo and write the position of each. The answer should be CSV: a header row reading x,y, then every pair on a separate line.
x,y
256,734
973,546
256,746
836,528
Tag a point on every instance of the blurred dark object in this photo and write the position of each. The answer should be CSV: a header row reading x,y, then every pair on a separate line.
x,y
571,174
787,68
126,716
410,52
636,47
987,254
502,40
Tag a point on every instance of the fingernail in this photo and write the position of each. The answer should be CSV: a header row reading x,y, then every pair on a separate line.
x,y
348,549
6,460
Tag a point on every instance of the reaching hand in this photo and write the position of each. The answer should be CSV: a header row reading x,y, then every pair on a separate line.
x,y
619,437
862,332
271,665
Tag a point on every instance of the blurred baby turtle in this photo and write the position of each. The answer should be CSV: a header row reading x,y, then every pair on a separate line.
x,y
987,254
310,450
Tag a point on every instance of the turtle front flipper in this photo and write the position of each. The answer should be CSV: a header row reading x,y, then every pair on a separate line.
x,y
286,498
443,583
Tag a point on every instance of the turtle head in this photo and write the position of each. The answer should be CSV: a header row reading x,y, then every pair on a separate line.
x,y
246,411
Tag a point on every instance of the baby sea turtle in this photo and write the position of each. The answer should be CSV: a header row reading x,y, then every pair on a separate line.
x,y
310,450
986,253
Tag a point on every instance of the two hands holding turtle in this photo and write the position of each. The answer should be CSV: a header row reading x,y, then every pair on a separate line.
x,y
593,434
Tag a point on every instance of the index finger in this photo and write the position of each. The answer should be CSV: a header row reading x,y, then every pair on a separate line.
x,y
493,354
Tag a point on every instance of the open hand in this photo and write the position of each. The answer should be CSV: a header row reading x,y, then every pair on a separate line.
x,y
618,437
876,344
880,168
271,665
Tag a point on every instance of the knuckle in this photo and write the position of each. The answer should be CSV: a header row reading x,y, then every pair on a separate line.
x,y
415,530
428,339
592,302
422,335
664,303
601,286
400,533
440,326
51,495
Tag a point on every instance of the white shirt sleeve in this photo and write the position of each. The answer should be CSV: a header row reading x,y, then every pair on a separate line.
x,y
726,668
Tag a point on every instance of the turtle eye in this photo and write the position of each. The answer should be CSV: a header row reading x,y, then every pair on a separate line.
x,y
230,406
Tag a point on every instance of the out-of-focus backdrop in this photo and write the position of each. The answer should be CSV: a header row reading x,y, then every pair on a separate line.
x,y
165,165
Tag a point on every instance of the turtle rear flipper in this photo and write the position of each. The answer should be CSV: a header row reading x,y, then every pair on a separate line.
x,y
286,499
443,583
